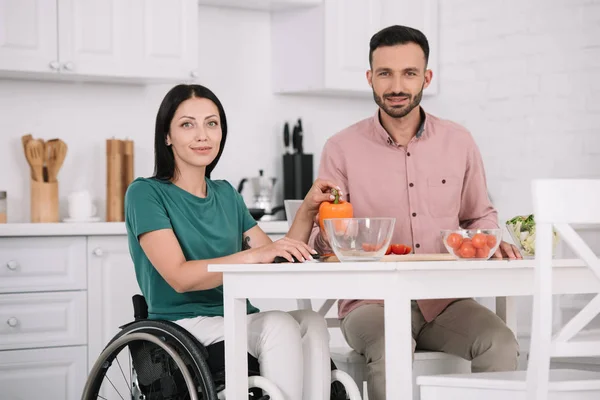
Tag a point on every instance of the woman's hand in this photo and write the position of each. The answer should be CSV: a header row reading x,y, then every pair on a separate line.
x,y
284,247
318,193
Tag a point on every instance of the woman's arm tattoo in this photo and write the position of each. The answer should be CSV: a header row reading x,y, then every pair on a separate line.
x,y
246,243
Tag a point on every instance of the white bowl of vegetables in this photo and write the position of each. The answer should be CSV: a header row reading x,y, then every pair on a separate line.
x,y
522,230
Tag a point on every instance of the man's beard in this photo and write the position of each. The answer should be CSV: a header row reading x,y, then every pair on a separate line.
x,y
399,111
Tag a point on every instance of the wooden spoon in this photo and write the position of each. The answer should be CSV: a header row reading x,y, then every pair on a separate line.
x,y
57,151
24,140
35,156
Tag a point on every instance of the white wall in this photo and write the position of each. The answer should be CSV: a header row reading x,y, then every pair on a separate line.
x,y
524,77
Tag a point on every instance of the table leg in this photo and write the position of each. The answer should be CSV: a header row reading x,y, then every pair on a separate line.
x,y
398,348
506,309
236,348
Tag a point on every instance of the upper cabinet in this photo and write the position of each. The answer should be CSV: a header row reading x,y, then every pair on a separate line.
x,y
264,5
325,49
28,36
106,40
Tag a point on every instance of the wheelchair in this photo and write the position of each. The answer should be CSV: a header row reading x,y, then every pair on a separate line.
x,y
166,362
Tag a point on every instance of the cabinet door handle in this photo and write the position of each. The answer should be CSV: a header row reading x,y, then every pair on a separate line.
x,y
68,66
12,322
12,265
55,65
98,252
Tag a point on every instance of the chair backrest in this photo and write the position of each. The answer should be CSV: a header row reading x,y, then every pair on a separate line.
x,y
557,203
291,208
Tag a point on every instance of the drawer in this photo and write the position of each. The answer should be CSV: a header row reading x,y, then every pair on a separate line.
x,y
31,264
43,320
52,374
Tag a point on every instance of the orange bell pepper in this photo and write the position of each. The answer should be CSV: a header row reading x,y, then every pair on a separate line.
x,y
334,209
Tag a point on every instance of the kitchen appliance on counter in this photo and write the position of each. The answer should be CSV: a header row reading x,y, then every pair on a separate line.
x,y
297,165
262,189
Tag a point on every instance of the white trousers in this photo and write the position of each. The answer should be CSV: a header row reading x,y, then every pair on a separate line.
x,y
292,349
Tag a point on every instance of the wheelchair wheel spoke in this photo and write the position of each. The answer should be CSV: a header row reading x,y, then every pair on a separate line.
x,y
117,390
125,378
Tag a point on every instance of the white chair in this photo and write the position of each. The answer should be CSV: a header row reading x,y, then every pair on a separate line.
x,y
354,364
557,204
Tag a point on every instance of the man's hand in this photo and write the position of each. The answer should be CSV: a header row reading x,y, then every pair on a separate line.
x,y
507,250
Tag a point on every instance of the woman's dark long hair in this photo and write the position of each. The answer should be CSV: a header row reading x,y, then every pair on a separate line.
x,y
164,160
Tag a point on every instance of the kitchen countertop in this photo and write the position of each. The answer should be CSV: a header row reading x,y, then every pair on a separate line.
x,y
118,228
98,229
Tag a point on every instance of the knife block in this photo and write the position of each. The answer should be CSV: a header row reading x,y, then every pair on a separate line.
x,y
297,175
44,201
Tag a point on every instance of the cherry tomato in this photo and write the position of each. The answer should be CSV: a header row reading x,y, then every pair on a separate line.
x,y
368,247
454,240
398,249
479,240
491,240
482,252
389,250
408,250
467,250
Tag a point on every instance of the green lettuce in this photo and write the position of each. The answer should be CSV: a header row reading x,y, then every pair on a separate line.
x,y
522,229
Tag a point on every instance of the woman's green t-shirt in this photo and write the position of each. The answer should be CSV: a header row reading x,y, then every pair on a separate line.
x,y
206,228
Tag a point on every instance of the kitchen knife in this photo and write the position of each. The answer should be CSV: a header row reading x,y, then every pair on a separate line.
x,y
286,137
300,137
295,138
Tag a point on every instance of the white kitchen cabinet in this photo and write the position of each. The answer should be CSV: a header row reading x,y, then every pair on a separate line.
x,y
36,264
54,374
324,49
28,36
166,39
264,5
43,319
65,289
111,285
101,40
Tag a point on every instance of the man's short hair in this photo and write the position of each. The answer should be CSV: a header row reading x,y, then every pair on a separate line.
x,y
398,34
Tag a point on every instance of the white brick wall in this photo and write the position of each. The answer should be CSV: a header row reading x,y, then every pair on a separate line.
x,y
524,77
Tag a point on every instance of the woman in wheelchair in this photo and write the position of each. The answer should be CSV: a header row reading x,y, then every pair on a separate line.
x,y
180,220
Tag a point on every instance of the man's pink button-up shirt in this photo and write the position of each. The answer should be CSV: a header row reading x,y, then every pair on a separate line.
x,y
436,182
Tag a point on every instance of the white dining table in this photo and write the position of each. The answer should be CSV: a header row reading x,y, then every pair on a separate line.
x,y
397,283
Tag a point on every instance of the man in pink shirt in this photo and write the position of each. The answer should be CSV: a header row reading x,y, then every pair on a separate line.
x,y
428,174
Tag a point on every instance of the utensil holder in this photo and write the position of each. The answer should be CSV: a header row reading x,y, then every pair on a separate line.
x,y
44,201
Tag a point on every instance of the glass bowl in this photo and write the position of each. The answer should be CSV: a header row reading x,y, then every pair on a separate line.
x,y
472,244
525,240
359,239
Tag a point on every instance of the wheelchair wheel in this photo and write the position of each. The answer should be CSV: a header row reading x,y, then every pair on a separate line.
x,y
162,362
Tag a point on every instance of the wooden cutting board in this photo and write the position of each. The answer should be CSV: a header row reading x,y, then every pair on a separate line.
x,y
407,257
